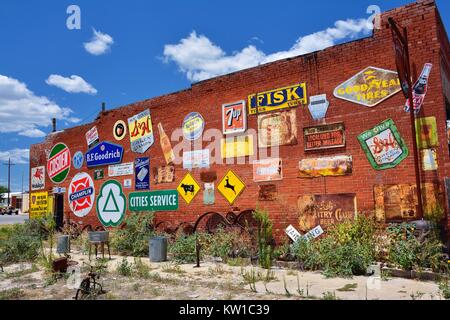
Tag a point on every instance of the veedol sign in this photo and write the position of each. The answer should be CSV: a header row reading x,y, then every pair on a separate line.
x,y
104,153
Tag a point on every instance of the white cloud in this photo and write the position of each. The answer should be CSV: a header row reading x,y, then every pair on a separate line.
x,y
74,84
200,59
23,112
100,43
17,156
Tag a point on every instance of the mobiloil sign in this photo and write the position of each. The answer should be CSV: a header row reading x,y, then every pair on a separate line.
x,y
103,154
164,200
283,98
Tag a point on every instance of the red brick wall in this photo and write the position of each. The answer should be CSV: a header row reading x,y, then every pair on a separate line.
x,y
323,72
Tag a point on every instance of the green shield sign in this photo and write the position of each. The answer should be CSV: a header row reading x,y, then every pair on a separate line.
x,y
163,200
111,204
384,146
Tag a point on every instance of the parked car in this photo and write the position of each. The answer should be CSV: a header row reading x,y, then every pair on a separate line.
x,y
9,211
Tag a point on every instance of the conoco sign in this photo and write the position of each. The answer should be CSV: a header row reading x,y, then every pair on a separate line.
x,y
58,164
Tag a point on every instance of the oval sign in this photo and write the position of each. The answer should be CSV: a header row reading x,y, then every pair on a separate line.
x,y
120,130
81,194
193,126
58,164
78,160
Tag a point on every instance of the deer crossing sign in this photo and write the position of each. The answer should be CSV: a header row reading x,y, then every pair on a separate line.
x,y
231,187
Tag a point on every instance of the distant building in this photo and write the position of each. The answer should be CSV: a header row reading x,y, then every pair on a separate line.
x,y
18,200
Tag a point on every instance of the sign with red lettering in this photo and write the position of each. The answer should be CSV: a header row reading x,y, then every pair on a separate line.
x,y
58,164
234,118
81,194
384,146
324,137
141,132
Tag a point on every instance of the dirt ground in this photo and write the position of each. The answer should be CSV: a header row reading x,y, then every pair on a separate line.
x,y
212,281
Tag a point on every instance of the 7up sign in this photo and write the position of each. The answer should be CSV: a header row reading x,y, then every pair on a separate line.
x,y
111,204
58,164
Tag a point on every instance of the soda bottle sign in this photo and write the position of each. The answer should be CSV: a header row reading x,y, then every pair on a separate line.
x,y
420,89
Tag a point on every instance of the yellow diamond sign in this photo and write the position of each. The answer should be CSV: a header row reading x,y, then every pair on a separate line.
x,y
188,188
231,186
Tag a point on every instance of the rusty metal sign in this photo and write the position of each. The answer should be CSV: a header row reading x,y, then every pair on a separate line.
x,y
328,136
164,174
267,192
326,167
325,210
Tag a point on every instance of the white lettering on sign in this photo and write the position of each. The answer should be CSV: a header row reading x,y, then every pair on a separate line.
x,y
293,233
58,163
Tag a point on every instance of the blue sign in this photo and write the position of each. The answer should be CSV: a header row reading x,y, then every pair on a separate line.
x,y
103,154
142,173
78,160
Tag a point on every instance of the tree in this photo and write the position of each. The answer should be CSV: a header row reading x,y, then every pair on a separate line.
x,y
3,190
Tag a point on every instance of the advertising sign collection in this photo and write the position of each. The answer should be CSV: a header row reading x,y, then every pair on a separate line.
x,y
277,118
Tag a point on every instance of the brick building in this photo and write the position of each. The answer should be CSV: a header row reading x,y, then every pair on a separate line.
x,y
351,183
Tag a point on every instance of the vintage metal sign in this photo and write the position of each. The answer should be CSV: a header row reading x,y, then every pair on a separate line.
x,y
164,174
104,154
58,164
196,159
99,174
142,173
155,201
188,188
120,130
426,133
92,137
81,194
208,194
267,192
268,170
395,202
235,147
123,169
328,136
111,204
370,87
383,146
127,183
420,89
429,159
39,205
141,132
292,233
78,160
234,118
318,106
325,210
231,187
326,167
193,126
37,178
278,99
277,129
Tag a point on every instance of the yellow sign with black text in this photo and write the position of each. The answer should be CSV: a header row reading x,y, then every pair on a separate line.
x,y
188,188
231,187
39,205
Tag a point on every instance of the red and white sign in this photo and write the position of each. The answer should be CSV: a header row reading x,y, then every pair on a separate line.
x,y
81,194
92,137
234,118
37,178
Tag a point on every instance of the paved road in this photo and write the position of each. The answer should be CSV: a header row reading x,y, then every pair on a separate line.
x,y
13,219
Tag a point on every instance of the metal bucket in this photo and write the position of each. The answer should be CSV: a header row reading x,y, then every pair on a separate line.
x,y
63,244
158,249
99,236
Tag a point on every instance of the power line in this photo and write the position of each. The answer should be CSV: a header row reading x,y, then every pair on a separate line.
x,y
9,164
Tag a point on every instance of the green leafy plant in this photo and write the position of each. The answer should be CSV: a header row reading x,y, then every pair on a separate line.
x,y
132,239
183,249
265,238
444,289
124,268
227,244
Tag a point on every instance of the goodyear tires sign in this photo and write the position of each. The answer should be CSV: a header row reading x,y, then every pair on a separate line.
x,y
283,98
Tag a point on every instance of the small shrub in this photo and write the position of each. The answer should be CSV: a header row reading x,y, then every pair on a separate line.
x,y
11,294
265,238
141,270
132,240
125,268
445,289
183,249
329,296
226,244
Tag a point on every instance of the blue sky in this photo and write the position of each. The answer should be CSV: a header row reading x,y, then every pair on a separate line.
x,y
142,49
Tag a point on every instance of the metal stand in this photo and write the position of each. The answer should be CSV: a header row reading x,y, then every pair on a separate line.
x,y
96,244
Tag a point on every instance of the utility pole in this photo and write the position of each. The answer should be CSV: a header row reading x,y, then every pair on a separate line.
x,y
9,164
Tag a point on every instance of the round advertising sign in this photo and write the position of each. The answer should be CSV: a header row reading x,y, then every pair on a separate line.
x,y
78,160
120,130
111,204
58,164
193,126
81,194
